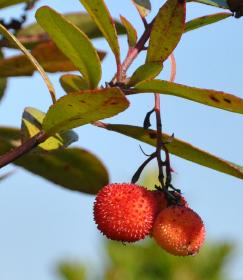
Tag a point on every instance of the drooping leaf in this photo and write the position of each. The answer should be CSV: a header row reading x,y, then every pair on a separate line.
x,y
47,54
216,3
73,43
180,149
205,20
146,71
72,168
34,33
73,83
167,30
7,3
132,35
13,40
84,107
32,124
98,11
143,7
218,99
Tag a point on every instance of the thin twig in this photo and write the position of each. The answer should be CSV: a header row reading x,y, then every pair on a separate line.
x,y
15,153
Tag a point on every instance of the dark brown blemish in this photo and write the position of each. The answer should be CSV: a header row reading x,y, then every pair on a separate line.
x,y
227,100
214,98
70,105
153,135
82,101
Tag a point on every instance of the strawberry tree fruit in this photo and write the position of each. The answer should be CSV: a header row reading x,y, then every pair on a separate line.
x,y
179,230
125,212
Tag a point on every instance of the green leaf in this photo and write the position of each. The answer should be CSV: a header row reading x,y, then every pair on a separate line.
x,y
84,107
216,3
47,54
166,31
34,33
132,35
101,15
72,168
73,83
146,71
73,43
143,7
7,3
180,149
205,20
13,40
32,124
72,271
218,99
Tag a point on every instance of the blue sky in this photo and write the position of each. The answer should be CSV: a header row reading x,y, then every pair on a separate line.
x,y
42,224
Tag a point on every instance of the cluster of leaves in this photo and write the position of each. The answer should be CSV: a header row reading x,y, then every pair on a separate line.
x,y
61,43
147,261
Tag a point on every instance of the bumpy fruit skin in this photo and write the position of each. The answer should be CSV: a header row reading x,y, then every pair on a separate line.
x,y
125,212
179,230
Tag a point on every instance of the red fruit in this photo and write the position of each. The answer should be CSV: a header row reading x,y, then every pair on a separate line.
x,y
179,230
125,212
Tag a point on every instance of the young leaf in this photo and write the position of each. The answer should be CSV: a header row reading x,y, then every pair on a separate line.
x,y
218,99
73,43
73,83
205,20
84,107
143,7
101,15
145,72
180,149
34,34
47,54
7,3
216,3
32,124
132,35
13,40
166,31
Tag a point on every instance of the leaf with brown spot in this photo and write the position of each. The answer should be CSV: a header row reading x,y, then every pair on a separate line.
x,y
167,30
179,148
218,99
84,107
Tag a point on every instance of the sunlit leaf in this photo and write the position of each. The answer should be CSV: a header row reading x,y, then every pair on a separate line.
x,y
72,271
7,3
72,168
145,72
180,149
167,30
84,107
98,11
216,3
47,54
73,83
32,124
218,99
34,33
143,7
73,43
13,40
205,20
131,32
